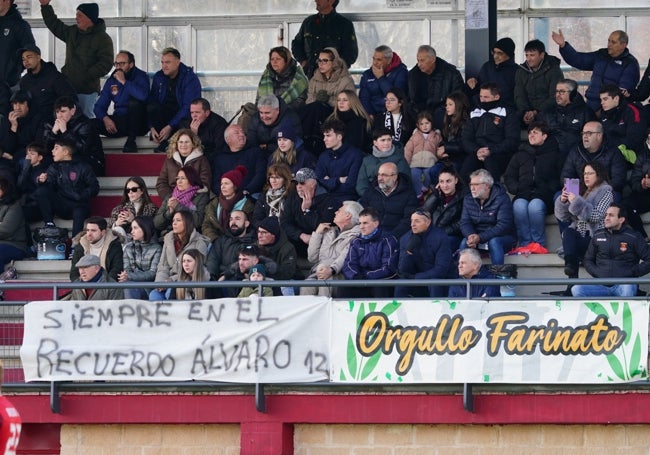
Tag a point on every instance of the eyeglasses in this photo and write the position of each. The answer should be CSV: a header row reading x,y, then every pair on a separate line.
x,y
386,175
588,173
133,189
120,63
562,91
324,60
391,100
590,133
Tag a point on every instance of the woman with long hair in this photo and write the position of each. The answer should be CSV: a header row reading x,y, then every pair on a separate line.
x,y
135,202
141,256
585,211
446,204
396,117
184,149
181,238
284,78
189,194
351,112
277,188
192,270
231,197
451,150
291,151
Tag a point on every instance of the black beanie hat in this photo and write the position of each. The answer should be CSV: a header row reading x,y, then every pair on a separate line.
x,y
91,10
507,45
271,224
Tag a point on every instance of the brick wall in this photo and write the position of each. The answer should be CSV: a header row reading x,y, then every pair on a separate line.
x,y
364,439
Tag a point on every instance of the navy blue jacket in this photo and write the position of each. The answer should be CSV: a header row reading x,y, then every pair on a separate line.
x,y
266,136
334,164
503,75
372,91
252,158
609,156
492,219
136,86
188,88
460,291
431,259
623,71
373,259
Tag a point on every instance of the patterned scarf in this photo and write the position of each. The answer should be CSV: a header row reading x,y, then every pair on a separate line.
x,y
392,125
275,199
185,197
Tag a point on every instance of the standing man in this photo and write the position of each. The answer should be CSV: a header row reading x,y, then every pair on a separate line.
x,y
611,65
535,81
617,251
127,89
44,82
209,126
174,87
387,71
88,50
424,253
15,34
430,81
487,217
327,28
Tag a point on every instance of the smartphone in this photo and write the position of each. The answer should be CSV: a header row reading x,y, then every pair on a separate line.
x,y
572,186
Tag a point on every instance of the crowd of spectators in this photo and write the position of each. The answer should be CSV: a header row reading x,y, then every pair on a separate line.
x,y
398,180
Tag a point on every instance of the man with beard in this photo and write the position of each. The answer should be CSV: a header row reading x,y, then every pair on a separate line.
x,y
305,209
274,244
101,242
225,248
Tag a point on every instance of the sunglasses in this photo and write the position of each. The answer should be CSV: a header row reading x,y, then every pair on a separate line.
x,y
133,189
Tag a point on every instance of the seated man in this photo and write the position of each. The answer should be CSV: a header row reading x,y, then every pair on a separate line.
x,y
25,125
172,90
127,88
329,244
470,266
274,244
44,82
424,253
263,128
305,209
102,243
338,166
208,125
247,257
371,256
90,271
387,71
623,122
384,150
393,198
225,248
237,152
487,217
72,125
491,136
535,81
567,116
66,188
594,147
617,251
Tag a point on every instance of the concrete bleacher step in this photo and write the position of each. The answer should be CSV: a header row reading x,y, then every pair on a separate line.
x,y
48,270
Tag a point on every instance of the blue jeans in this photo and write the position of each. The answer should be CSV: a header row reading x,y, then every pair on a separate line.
x,y
420,179
86,103
497,246
155,294
596,290
530,221
137,294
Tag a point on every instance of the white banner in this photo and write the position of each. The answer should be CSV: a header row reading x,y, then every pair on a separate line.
x,y
272,339
475,341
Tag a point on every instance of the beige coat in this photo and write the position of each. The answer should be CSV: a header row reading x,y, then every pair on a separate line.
x,y
170,263
339,81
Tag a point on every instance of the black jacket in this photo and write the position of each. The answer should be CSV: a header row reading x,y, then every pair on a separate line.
x,y
73,180
446,216
566,122
533,172
608,156
82,132
616,254
225,251
395,209
503,75
497,129
16,34
266,136
45,87
30,128
211,132
625,125
429,91
295,222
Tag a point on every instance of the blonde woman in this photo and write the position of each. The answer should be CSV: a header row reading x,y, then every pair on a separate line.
x,y
358,124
